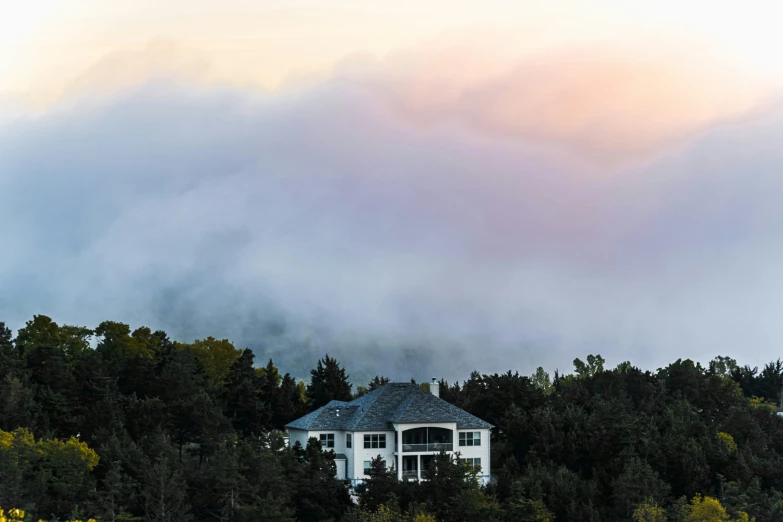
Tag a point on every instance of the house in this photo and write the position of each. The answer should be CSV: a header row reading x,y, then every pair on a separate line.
x,y
375,424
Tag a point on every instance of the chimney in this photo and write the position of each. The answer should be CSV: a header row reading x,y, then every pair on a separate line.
x,y
435,387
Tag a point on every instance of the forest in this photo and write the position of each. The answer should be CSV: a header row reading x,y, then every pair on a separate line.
x,y
114,424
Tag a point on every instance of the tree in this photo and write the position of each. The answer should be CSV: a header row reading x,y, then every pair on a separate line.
x,y
51,476
382,513
116,344
216,356
290,404
164,494
311,474
649,511
519,507
269,380
9,355
328,382
51,374
242,404
453,492
769,383
541,380
594,366
723,366
708,509
380,487
638,482
268,508
377,382
18,407
568,495
115,490
488,397
192,414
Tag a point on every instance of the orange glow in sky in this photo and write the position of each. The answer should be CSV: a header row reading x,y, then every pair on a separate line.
x,y
626,75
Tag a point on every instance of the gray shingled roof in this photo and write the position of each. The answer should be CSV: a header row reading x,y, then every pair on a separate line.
x,y
377,410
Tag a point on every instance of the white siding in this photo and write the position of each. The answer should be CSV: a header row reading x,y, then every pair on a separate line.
x,y
295,436
358,454
473,452
361,454
339,445
339,439
341,468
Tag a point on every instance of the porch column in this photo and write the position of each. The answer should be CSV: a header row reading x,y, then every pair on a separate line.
x,y
418,467
399,452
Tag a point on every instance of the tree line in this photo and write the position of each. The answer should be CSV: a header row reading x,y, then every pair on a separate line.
x,y
121,425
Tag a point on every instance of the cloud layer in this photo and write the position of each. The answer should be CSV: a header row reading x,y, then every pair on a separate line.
x,y
327,219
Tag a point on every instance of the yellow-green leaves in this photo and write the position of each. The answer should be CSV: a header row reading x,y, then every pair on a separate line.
x,y
17,515
46,469
708,509
216,356
71,452
727,443
649,512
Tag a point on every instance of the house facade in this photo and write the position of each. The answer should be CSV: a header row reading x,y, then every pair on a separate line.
x,y
403,424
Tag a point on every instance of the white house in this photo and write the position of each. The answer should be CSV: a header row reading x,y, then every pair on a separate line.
x,y
375,424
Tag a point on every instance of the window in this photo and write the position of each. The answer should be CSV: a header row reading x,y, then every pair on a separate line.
x,y
368,466
327,440
376,440
348,440
470,438
474,463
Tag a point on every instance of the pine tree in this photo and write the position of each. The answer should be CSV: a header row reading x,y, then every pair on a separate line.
x,y
242,403
164,494
328,383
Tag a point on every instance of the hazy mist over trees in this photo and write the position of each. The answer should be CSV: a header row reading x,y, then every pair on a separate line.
x,y
318,221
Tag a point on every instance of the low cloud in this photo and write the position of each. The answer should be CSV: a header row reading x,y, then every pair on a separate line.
x,y
320,220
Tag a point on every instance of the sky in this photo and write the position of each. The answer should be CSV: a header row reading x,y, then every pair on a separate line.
x,y
419,188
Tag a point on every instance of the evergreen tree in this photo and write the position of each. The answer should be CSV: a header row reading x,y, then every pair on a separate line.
x,y
290,404
380,486
328,383
164,494
377,382
242,402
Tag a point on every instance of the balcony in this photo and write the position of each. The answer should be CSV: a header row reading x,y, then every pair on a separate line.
x,y
432,446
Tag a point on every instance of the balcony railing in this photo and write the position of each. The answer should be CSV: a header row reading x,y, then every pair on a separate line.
x,y
433,446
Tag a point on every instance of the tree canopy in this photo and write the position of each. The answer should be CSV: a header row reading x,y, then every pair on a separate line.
x,y
141,427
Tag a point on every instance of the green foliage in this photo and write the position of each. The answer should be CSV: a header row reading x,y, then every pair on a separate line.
x,y
649,512
595,365
709,509
453,493
328,382
142,428
520,508
637,482
727,443
50,475
377,382
723,366
380,487
164,495
215,356
541,380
